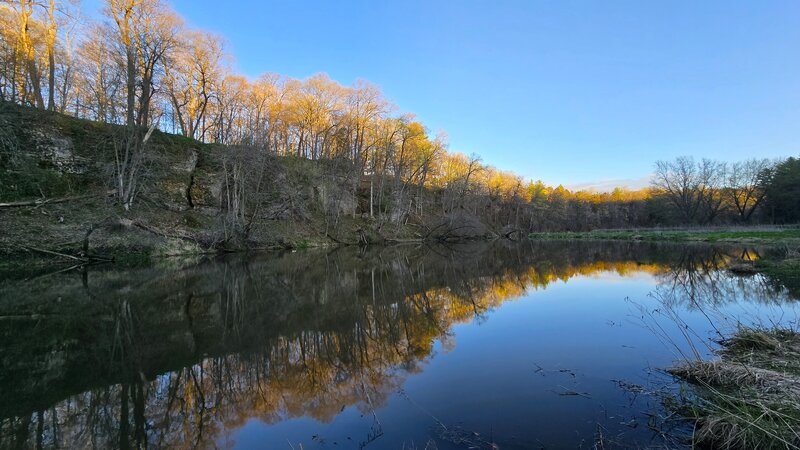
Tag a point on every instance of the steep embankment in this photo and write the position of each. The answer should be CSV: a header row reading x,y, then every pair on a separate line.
x,y
57,188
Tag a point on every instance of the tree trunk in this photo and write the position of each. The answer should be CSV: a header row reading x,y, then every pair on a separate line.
x,y
130,117
51,80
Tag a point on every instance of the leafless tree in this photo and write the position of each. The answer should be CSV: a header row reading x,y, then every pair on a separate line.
x,y
692,188
743,186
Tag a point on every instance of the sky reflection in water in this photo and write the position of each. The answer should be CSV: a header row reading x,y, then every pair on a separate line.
x,y
522,345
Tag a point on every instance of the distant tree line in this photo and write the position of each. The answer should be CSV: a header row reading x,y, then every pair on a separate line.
x,y
142,68
685,191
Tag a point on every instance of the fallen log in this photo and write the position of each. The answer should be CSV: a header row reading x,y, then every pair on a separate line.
x,y
50,252
81,259
46,201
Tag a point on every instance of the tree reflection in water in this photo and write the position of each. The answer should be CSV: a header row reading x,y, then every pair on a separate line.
x,y
177,355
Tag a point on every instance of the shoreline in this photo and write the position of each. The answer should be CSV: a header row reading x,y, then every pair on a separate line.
x,y
730,235
748,396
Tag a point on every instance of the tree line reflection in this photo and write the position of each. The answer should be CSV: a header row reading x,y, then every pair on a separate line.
x,y
177,356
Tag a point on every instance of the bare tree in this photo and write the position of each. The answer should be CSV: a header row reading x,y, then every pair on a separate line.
x,y
191,79
693,188
244,171
146,31
52,29
27,53
129,161
101,77
743,186
712,178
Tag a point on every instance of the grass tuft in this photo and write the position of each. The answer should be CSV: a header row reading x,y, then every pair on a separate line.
x,y
750,396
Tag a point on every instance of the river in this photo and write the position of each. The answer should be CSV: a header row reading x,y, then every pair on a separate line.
x,y
485,345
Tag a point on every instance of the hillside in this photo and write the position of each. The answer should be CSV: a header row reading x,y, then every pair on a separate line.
x,y
57,184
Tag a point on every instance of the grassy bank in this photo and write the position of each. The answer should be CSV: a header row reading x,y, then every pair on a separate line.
x,y
781,263
750,396
754,235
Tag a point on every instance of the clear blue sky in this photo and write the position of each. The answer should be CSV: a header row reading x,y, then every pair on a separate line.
x,y
563,91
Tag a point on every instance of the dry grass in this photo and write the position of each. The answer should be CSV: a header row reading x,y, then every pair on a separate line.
x,y
750,397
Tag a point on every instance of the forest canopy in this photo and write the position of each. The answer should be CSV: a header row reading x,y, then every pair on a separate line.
x,y
141,67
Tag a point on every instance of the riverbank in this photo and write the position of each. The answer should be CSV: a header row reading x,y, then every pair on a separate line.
x,y
747,398
59,197
781,262
734,235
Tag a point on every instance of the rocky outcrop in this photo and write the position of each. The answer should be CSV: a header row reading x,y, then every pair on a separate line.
x,y
174,185
48,145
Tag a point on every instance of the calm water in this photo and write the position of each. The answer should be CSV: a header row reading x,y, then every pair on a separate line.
x,y
512,346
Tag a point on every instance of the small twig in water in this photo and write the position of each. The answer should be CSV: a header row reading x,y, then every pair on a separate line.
x,y
570,392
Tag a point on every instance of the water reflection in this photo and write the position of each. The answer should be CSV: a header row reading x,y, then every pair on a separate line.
x,y
178,356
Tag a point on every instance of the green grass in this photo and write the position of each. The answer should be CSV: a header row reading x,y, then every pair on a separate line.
x,y
782,272
751,235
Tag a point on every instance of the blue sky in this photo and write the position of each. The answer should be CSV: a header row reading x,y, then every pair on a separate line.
x,y
564,91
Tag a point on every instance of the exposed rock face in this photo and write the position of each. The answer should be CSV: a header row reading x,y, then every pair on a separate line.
x,y
174,186
206,190
460,225
46,143
335,200
189,164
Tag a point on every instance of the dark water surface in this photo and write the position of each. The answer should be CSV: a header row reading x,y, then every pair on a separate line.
x,y
511,346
